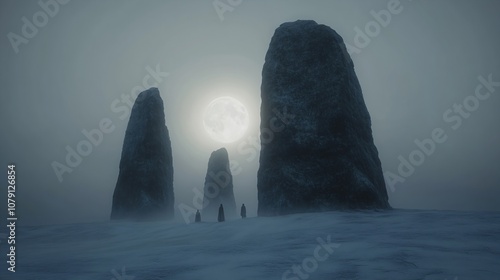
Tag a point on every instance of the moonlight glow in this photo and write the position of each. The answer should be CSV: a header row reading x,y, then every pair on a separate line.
x,y
225,119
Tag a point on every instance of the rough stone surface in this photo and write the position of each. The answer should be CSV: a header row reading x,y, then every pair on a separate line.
x,y
218,188
320,155
144,189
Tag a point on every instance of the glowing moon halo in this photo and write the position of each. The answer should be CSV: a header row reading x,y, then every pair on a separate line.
x,y
225,119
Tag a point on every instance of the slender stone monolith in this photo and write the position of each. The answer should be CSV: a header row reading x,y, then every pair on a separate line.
x,y
218,188
144,189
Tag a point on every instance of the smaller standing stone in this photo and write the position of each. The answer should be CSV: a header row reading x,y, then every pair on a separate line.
x,y
218,188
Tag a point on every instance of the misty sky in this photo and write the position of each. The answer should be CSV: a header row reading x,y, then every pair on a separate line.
x,y
84,62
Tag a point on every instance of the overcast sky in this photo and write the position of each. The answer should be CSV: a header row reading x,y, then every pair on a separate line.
x,y
85,59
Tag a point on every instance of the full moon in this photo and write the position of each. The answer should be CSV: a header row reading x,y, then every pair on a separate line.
x,y
225,119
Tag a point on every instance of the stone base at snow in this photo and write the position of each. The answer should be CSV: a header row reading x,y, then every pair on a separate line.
x,y
144,189
325,158
218,188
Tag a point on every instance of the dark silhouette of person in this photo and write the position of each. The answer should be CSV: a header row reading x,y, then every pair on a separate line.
x,y
197,218
243,211
221,218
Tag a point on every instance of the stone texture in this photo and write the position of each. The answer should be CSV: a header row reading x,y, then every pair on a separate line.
x,y
321,155
144,189
218,188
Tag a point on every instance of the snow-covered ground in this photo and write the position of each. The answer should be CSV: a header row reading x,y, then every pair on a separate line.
x,y
398,244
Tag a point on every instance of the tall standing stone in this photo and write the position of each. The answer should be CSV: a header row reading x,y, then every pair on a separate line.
x,y
144,189
218,188
321,155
